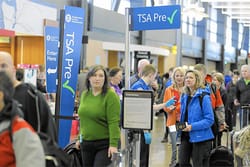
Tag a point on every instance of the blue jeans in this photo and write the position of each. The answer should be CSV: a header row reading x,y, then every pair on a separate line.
x,y
95,153
174,147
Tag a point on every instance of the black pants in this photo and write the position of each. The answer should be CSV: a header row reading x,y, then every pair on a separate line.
x,y
144,152
95,153
198,151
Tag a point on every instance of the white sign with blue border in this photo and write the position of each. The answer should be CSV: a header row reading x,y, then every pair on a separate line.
x,y
51,56
72,42
155,18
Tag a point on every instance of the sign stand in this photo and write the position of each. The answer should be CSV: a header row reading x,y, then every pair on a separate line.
x,y
127,76
146,18
137,116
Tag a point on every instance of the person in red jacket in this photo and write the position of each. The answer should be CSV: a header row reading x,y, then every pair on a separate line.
x,y
19,144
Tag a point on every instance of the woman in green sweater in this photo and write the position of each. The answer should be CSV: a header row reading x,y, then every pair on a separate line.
x,y
99,114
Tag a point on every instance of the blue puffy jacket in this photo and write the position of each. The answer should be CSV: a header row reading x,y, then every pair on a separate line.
x,y
200,119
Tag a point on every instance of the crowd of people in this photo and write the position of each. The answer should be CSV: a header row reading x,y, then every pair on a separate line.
x,y
198,107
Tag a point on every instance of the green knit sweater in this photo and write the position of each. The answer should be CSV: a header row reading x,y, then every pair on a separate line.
x,y
100,117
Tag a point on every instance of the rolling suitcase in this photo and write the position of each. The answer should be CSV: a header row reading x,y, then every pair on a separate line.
x,y
221,156
244,116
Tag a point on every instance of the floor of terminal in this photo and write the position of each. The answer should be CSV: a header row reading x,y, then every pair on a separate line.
x,y
160,153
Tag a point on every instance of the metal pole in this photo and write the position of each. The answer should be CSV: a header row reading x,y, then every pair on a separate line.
x,y
59,77
127,76
179,41
127,51
138,148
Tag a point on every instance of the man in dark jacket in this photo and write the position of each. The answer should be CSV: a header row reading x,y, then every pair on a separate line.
x,y
243,93
33,104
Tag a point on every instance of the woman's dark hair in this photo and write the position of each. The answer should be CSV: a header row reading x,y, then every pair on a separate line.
x,y
6,86
113,71
91,73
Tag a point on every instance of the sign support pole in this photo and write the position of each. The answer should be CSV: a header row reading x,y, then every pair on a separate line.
x,y
127,86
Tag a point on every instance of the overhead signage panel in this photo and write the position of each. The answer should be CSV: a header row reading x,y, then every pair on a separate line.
x,y
51,54
155,18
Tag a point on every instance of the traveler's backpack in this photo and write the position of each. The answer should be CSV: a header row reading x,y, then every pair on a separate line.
x,y
214,127
74,154
36,109
54,155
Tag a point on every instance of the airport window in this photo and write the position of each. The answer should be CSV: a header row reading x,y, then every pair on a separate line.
x,y
241,28
103,4
184,24
228,37
212,24
123,4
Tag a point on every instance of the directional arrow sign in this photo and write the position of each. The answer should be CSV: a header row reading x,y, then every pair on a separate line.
x,y
51,47
155,18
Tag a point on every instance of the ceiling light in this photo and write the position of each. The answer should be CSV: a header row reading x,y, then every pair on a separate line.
x,y
194,11
224,1
232,6
235,12
240,17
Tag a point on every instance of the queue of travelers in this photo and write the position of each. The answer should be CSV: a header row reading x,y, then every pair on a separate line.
x,y
203,119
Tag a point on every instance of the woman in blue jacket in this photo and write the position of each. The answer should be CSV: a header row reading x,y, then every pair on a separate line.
x,y
196,137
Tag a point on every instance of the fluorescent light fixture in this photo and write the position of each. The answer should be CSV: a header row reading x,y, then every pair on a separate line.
x,y
233,12
243,21
194,11
246,25
232,6
240,17
224,1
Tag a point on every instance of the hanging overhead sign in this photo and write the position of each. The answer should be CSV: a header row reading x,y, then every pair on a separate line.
x,y
155,18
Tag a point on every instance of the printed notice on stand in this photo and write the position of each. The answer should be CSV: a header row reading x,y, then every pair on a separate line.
x,y
137,109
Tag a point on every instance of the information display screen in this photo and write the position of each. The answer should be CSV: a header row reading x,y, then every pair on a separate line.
x,y
137,109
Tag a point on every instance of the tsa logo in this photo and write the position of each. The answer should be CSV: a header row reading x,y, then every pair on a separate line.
x,y
48,37
68,18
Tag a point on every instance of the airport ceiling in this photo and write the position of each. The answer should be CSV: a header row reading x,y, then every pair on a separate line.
x,y
235,9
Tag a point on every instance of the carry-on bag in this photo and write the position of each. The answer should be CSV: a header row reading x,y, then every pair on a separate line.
x,y
74,154
221,156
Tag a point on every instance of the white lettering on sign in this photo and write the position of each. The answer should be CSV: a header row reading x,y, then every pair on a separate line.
x,y
156,17
51,53
70,42
143,18
159,18
67,74
49,58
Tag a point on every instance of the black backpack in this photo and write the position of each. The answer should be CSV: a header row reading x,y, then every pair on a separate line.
x,y
214,127
74,154
36,109
54,155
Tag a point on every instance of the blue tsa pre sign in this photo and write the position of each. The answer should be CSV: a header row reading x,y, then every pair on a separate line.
x,y
72,42
155,18
51,48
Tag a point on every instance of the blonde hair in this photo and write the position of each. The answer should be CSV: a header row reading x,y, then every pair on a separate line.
x,y
177,69
148,69
219,76
198,83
